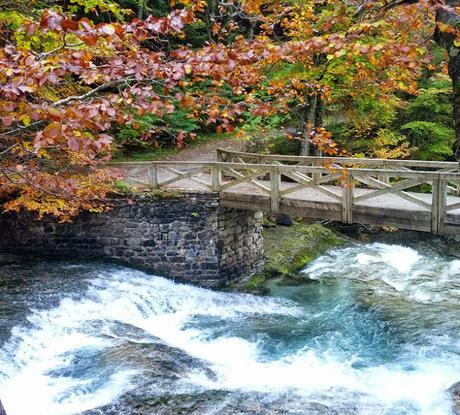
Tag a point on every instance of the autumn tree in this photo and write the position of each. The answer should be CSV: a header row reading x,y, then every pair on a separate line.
x,y
445,17
326,56
67,83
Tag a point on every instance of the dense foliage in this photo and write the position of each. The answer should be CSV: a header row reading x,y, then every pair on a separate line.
x,y
82,80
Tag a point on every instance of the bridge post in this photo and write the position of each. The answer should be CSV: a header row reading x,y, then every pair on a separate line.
x,y
220,155
275,181
347,198
438,205
316,175
153,177
216,178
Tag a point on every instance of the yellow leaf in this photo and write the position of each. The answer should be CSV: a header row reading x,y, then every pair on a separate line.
x,y
25,120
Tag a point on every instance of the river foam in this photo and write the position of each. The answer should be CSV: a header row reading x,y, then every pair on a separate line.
x,y
405,272
320,348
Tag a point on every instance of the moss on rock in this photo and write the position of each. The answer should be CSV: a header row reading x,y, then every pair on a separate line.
x,y
124,190
287,251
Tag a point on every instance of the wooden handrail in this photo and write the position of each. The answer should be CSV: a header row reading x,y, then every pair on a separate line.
x,y
359,172
266,158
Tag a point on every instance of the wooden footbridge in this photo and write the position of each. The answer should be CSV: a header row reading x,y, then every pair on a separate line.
x,y
408,194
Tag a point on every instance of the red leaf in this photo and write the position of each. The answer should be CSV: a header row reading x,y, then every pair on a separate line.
x,y
74,144
68,24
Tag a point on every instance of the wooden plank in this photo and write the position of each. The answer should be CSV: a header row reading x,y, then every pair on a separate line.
x,y
207,174
302,169
244,178
329,178
452,189
135,170
182,176
442,206
198,180
453,206
303,183
239,175
324,179
178,177
132,179
222,155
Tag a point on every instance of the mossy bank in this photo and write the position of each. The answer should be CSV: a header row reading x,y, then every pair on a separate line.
x,y
288,249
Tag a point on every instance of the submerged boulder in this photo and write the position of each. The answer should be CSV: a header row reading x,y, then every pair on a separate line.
x,y
2,409
454,392
214,401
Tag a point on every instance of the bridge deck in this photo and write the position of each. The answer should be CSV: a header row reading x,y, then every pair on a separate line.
x,y
386,210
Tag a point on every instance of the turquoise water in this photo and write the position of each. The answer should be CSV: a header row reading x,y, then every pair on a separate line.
x,y
375,329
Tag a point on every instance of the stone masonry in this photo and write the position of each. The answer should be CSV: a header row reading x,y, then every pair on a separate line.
x,y
189,238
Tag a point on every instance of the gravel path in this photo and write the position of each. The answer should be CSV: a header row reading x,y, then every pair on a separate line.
x,y
207,151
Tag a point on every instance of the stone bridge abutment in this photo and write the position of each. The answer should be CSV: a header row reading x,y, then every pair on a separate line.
x,y
192,238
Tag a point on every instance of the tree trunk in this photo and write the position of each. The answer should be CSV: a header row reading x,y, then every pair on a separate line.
x,y
449,16
313,118
309,125
209,18
140,9
454,72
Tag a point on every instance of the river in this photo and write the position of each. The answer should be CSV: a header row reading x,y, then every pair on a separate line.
x,y
374,330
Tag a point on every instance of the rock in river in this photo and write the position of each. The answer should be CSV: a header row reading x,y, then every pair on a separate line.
x,y
454,391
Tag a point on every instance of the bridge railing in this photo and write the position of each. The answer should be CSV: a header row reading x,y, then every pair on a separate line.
x,y
278,183
345,162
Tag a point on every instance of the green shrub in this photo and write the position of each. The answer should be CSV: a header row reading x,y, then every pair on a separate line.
x,y
353,138
133,137
432,141
270,141
433,104
123,187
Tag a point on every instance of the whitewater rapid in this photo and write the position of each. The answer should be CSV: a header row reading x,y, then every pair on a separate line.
x,y
376,334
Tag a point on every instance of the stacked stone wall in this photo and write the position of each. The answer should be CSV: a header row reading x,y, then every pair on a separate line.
x,y
189,238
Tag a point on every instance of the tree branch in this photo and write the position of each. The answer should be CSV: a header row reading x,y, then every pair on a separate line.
x,y
68,100
94,91
395,3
